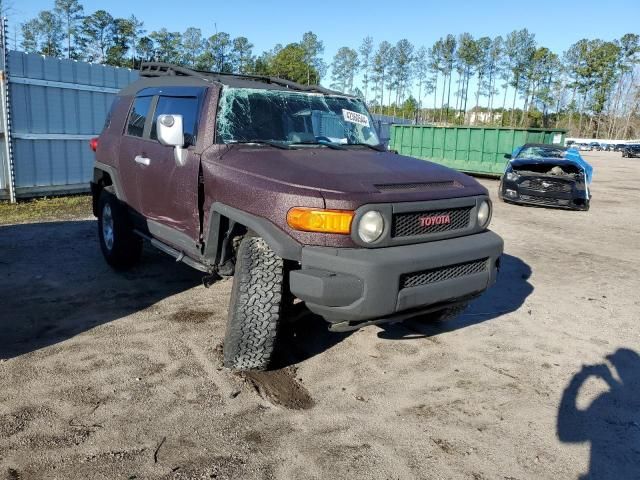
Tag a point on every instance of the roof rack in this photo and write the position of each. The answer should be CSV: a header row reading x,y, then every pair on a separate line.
x,y
162,69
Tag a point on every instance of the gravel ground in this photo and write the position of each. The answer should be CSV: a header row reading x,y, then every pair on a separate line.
x,y
106,375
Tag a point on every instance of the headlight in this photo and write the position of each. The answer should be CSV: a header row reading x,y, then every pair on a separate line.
x,y
484,214
513,176
370,226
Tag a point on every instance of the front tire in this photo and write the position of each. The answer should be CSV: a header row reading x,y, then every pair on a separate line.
x,y
255,307
120,247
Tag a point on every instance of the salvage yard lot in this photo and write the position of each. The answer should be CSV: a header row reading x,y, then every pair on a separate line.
x,y
106,375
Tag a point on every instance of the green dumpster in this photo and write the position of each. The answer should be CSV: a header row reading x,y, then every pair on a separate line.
x,y
477,150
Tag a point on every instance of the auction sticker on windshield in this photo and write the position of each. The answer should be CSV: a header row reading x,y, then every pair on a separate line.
x,y
355,117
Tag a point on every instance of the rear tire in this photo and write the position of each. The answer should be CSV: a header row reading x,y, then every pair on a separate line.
x,y
255,306
120,246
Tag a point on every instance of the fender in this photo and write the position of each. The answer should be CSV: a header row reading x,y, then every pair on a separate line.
x,y
113,187
282,244
113,173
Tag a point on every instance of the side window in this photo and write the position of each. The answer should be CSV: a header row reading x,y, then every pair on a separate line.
x,y
185,106
138,116
107,120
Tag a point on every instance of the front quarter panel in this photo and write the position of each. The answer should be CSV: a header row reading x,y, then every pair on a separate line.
x,y
257,196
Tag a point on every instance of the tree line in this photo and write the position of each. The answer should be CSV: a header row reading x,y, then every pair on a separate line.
x,y
591,89
67,31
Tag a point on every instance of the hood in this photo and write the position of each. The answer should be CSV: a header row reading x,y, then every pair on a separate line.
x,y
352,174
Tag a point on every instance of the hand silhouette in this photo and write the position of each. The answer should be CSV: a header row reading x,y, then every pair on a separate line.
x,y
606,422
600,371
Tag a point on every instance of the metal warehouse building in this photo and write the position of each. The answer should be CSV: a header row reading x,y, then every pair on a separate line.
x,y
50,108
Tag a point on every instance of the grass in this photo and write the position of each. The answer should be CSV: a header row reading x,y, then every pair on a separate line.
x,y
46,209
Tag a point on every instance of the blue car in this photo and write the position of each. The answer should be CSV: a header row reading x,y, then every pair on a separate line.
x,y
547,175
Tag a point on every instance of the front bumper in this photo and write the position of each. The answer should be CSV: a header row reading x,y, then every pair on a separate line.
x,y
345,284
575,199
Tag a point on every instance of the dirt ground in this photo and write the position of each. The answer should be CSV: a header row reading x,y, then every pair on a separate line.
x,y
106,375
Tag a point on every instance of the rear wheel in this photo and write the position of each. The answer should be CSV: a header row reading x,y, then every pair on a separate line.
x,y
120,246
255,307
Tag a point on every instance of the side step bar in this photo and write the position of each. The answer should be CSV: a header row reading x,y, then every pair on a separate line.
x,y
179,256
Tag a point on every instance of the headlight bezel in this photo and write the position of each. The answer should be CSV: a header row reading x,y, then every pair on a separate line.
x,y
385,240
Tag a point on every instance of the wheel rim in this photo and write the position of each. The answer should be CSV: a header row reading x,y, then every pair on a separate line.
x,y
107,226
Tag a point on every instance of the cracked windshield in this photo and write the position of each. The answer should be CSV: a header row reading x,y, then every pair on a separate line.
x,y
285,118
542,152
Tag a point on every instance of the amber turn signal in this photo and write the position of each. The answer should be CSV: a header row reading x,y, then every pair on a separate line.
x,y
319,220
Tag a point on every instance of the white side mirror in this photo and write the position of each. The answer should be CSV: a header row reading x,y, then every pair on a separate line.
x,y
170,132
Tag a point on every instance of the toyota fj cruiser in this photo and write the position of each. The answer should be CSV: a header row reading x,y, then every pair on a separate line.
x,y
287,188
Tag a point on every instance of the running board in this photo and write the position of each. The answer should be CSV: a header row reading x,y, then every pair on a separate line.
x,y
178,255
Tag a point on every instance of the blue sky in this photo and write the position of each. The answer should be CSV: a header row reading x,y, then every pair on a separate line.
x,y
556,24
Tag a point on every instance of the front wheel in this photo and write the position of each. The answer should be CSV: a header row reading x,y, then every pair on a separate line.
x,y
255,307
120,247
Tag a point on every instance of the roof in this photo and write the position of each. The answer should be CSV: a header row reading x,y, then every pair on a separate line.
x,y
166,74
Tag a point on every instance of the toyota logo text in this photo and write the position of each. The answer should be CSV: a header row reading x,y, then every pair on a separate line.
x,y
431,220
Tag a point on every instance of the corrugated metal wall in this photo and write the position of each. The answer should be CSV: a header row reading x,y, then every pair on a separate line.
x,y
56,106
383,125
469,149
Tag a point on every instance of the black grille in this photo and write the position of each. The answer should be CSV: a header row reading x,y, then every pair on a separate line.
x,y
543,185
394,187
411,224
443,273
543,200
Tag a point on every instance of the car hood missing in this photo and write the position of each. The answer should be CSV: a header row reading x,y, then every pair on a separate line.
x,y
575,161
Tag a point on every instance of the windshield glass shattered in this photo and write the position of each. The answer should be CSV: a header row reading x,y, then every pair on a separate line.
x,y
542,152
247,115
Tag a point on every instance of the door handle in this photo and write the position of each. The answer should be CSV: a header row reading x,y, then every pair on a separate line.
x,y
142,160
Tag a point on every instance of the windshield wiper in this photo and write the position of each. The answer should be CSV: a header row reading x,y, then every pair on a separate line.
x,y
377,148
271,143
335,146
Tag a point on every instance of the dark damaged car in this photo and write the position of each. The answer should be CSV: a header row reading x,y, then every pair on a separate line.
x,y
631,151
548,176
286,188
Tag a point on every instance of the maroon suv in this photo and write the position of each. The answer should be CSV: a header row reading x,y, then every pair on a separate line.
x,y
287,188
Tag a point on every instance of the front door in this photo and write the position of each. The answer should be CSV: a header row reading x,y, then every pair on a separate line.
x,y
168,191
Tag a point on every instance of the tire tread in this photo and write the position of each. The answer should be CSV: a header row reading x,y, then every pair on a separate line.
x,y
255,306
